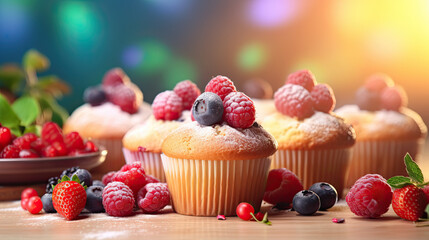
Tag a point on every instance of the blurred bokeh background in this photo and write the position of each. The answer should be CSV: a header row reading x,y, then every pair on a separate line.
x,y
161,42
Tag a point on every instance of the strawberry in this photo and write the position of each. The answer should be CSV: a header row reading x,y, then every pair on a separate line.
x,y
409,202
69,197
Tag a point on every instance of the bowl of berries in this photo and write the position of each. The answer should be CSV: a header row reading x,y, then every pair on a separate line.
x,y
31,158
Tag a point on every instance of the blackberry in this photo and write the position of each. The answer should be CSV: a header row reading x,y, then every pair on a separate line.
x,y
51,181
69,172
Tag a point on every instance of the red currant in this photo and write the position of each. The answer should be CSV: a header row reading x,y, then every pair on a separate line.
x,y
24,203
28,193
34,205
5,136
243,211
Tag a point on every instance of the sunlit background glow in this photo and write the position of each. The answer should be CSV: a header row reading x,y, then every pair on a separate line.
x,y
161,42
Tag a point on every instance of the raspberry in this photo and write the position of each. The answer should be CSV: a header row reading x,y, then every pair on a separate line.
x,y
51,133
323,98
10,151
239,110
370,196
151,179
367,99
132,175
22,143
377,82
28,153
38,145
188,92
393,98
127,98
167,106
221,85
5,136
49,151
73,141
61,148
426,191
302,78
294,101
153,197
118,199
108,177
90,146
282,185
115,76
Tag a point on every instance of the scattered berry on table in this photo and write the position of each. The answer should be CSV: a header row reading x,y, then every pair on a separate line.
x,y
208,109
34,205
167,105
239,110
377,82
282,185
73,141
69,198
24,203
306,202
153,197
10,151
5,136
323,98
259,216
367,99
221,217
294,101
244,211
28,193
303,78
84,176
118,199
115,76
409,202
51,182
98,183
108,177
51,133
338,220
94,199
220,85
133,176
188,92
327,193
393,98
28,153
48,206
94,96
370,196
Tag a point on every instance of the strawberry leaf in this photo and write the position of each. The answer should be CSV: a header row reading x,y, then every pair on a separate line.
x,y
399,181
413,169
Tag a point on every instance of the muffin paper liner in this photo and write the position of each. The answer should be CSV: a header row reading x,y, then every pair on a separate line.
x,y
151,162
313,166
114,159
213,187
383,157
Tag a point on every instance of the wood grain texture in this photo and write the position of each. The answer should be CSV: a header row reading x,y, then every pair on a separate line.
x,y
15,223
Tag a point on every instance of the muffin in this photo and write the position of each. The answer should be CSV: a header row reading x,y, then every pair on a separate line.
x,y
314,143
261,93
143,142
221,159
385,128
110,111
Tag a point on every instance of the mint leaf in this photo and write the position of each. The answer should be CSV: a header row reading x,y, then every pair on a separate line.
x,y
399,181
27,109
8,117
413,169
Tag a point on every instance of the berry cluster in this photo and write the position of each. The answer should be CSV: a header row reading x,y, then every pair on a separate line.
x,y
117,89
371,195
302,95
379,92
168,105
52,143
221,101
285,190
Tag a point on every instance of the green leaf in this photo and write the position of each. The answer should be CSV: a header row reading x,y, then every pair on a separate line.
x,y
8,117
27,109
35,60
413,169
36,129
399,181
11,77
59,114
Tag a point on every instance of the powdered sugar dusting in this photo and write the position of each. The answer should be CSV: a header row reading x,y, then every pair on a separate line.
x,y
15,209
104,235
320,123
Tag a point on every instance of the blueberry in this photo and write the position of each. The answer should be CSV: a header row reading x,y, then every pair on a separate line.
x,y
208,109
94,96
98,183
327,194
84,176
48,206
94,199
306,202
